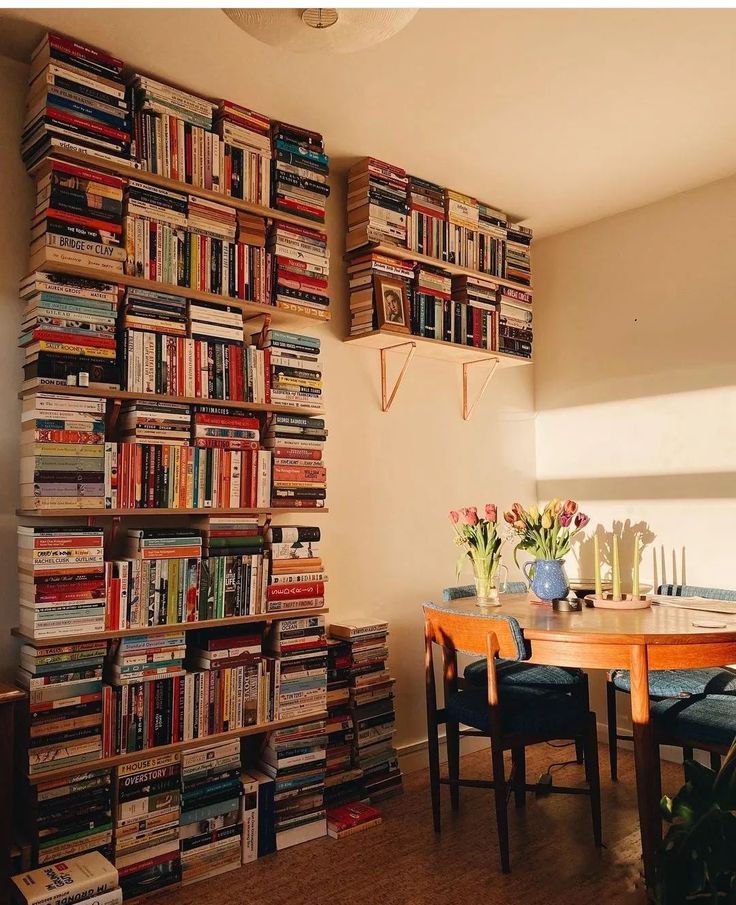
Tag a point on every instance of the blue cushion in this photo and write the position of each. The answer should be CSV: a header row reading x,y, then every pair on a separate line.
x,y
468,590
511,672
689,590
529,710
673,683
706,718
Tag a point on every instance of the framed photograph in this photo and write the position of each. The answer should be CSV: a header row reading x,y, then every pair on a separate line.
x,y
392,304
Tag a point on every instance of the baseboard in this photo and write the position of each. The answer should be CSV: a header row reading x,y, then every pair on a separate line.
x,y
666,752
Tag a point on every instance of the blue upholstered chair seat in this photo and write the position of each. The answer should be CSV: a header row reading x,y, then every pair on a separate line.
x,y
673,683
708,719
528,710
513,673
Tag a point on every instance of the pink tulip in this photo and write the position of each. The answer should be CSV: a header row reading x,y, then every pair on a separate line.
x,y
509,517
581,520
565,519
570,507
491,512
472,515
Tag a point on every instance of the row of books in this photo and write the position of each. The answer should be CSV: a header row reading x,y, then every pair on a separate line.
x,y
386,205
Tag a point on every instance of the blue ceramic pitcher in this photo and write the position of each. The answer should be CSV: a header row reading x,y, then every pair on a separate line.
x,y
547,578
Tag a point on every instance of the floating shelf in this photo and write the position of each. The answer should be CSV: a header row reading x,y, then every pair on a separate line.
x,y
136,513
466,356
115,761
405,254
165,629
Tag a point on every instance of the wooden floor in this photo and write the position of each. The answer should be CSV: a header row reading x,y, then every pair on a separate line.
x,y
402,862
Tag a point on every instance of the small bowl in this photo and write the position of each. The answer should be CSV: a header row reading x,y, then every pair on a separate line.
x,y
583,586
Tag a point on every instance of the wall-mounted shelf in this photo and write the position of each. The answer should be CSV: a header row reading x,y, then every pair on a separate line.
x,y
205,512
468,357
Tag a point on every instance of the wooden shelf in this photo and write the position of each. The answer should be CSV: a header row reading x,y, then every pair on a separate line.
x,y
115,761
405,254
130,172
435,348
252,308
136,513
124,395
164,629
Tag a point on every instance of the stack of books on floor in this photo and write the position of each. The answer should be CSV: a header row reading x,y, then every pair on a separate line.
x,y
61,575
210,835
518,254
173,135
426,224
299,476
347,819
372,705
153,422
246,146
492,225
361,272
377,204
298,648
297,580
299,171
515,322
88,879
67,816
78,218
300,265
462,215
62,463
147,799
64,687
76,102
295,759
430,309
65,320
473,313
234,575
343,782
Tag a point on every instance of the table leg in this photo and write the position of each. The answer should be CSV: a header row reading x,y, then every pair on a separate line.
x,y
646,758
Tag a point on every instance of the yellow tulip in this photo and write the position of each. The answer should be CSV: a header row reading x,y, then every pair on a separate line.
x,y
546,520
533,513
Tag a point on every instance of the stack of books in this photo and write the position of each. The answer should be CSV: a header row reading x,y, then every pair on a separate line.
x,y
245,138
347,819
343,782
62,463
295,370
89,879
295,759
155,243
216,348
252,231
210,835
377,204
362,270
67,816
154,312
64,687
492,225
426,224
210,218
234,575
78,218
140,658
172,131
463,218
155,422
214,427
300,264
297,573
474,312
299,651
76,102
518,254
515,322
147,799
297,442
299,171
430,308
61,575
64,316
372,704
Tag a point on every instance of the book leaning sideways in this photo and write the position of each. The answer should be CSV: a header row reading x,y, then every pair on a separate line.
x,y
90,877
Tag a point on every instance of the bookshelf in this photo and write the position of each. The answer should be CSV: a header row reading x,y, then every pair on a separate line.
x,y
205,512
435,348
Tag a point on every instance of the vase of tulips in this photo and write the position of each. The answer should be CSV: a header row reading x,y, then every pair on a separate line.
x,y
548,535
481,543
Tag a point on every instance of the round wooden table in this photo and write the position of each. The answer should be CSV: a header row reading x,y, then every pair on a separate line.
x,y
637,640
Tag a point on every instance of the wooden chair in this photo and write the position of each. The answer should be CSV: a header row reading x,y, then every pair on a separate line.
x,y
668,684
511,717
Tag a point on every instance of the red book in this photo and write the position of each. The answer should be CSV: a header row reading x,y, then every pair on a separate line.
x,y
296,452
345,816
103,225
61,541
74,169
98,340
225,443
74,48
107,131
296,590
299,473
234,421
313,234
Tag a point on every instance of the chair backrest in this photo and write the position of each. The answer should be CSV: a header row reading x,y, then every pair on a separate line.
x,y
688,590
468,590
455,630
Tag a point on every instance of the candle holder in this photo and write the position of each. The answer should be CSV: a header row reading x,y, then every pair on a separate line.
x,y
627,602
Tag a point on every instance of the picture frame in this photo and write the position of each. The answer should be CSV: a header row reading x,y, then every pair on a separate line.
x,y
392,304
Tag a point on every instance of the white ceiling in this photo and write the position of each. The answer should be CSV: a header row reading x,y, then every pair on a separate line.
x,y
563,116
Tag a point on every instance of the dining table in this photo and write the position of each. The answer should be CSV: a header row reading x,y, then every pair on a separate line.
x,y
658,637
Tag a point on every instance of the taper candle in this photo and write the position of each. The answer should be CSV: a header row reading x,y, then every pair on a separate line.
x,y
635,581
616,570
597,554
655,580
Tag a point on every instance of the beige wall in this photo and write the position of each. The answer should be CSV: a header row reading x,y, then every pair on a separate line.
x,y
392,477
635,377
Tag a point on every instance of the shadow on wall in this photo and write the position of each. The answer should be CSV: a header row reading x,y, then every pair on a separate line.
x,y
712,485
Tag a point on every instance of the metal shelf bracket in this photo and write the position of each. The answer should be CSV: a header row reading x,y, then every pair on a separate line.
x,y
468,406
386,398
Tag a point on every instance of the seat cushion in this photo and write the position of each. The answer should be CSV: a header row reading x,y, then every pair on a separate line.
x,y
674,683
706,718
512,672
530,710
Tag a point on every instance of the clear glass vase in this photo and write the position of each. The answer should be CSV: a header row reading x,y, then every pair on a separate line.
x,y
486,573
